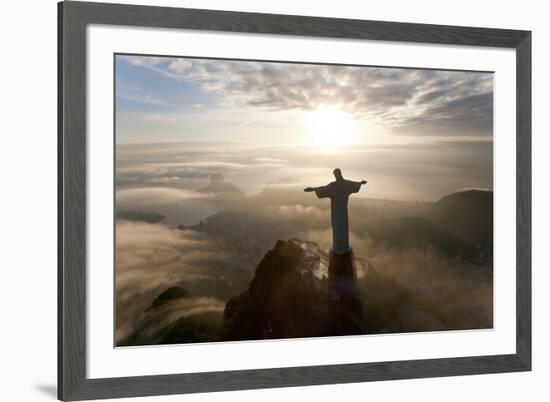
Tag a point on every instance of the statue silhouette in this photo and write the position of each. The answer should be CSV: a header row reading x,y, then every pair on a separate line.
x,y
344,303
338,191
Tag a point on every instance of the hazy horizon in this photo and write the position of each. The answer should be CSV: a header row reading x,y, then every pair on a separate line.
x,y
413,134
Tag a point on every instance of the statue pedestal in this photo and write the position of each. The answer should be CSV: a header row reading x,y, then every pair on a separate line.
x,y
344,303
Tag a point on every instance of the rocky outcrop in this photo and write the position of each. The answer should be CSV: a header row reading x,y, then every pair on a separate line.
x,y
176,316
289,297
284,300
168,295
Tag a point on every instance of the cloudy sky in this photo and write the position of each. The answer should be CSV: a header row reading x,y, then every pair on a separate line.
x,y
414,134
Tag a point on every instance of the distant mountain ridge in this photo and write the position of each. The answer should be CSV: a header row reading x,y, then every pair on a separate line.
x,y
398,232
469,213
138,216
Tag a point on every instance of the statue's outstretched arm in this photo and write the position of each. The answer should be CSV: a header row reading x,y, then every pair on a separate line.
x,y
310,189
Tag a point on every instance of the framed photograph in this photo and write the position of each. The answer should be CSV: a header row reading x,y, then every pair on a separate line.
x,y
254,201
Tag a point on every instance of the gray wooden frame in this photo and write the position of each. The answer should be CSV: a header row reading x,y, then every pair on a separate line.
x,y
73,17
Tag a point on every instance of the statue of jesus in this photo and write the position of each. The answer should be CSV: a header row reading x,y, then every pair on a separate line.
x,y
338,191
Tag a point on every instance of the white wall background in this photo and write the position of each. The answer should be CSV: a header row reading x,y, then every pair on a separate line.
x,y
28,200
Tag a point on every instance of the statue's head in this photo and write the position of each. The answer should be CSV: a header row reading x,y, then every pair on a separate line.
x,y
338,174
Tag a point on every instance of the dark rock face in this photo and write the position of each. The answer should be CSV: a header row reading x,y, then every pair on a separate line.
x,y
287,299
204,327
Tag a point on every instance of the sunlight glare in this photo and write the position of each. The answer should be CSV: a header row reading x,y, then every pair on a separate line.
x,y
329,127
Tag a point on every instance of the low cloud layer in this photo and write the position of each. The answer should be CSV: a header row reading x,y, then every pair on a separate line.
x,y
151,258
152,196
400,171
428,288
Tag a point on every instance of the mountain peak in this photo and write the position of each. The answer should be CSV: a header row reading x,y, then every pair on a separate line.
x,y
469,213
219,185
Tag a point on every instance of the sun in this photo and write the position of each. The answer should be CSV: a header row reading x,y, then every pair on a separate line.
x,y
328,127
